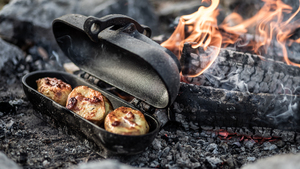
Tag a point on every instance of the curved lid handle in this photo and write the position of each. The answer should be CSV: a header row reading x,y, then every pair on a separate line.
x,y
93,26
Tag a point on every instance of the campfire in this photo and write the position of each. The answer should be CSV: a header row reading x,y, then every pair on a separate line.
x,y
237,59
272,27
238,98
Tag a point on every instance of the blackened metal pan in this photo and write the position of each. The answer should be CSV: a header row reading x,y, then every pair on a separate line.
x,y
109,142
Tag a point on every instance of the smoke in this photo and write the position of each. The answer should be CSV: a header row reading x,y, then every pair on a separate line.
x,y
56,57
231,82
226,80
283,108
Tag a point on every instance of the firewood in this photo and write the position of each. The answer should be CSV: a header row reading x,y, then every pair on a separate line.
x,y
243,72
220,107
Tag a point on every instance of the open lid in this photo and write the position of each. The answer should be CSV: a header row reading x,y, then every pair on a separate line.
x,y
115,50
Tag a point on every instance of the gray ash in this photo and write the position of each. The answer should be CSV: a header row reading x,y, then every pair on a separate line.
x,y
176,147
32,143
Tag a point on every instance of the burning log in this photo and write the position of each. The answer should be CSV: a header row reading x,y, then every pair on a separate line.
x,y
243,72
239,90
220,107
230,88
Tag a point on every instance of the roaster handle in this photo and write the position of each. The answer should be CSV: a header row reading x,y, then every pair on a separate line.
x,y
93,26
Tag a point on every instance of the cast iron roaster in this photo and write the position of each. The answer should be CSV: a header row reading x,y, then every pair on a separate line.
x,y
117,50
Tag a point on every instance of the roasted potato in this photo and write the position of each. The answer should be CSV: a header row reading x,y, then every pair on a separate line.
x,y
89,103
126,121
55,89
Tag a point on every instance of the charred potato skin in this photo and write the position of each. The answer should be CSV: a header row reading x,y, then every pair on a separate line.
x,y
126,121
54,89
89,103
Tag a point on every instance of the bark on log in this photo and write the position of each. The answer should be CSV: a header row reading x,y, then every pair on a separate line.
x,y
210,106
243,72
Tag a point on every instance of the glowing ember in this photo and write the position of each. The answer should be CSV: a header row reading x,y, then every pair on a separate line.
x,y
203,30
225,135
122,95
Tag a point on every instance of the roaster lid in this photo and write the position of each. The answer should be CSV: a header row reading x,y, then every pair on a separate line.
x,y
118,50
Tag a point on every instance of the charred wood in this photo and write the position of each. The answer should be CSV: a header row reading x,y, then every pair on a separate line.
x,y
243,72
220,107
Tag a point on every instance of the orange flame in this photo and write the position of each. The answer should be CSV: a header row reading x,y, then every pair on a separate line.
x,y
268,23
203,30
